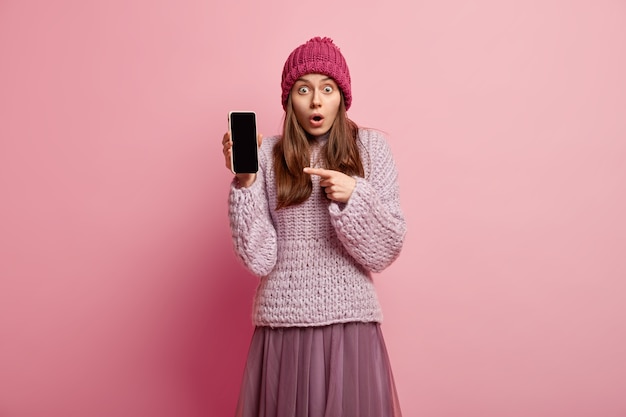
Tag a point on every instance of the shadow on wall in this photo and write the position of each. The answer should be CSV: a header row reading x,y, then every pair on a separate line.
x,y
218,339
227,336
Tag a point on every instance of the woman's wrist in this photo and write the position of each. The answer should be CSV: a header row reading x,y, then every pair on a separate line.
x,y
245,180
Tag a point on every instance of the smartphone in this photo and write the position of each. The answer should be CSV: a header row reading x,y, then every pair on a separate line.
x,y
242,128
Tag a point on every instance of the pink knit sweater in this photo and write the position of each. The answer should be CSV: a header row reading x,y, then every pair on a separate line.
x,y
315,259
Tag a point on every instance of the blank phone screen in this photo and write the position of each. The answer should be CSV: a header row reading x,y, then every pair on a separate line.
x,y
243,135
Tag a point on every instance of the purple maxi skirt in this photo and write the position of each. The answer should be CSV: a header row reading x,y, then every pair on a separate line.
x,y
340,370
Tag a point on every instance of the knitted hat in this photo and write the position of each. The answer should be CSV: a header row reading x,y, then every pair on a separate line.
x,y
319,56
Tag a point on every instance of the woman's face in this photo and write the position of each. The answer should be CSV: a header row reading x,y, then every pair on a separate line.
x,y
316,99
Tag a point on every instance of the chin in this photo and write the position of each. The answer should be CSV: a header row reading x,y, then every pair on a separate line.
x,y
318,131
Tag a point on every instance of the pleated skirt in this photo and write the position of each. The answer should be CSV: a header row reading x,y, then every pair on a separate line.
x,y
340,370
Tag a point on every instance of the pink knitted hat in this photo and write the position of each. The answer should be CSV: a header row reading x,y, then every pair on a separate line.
x,y
320,56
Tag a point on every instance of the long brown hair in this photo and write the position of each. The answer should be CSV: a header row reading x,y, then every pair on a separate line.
x,y
292,154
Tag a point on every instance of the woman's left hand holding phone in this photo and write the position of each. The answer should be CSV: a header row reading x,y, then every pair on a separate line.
x,y
245,180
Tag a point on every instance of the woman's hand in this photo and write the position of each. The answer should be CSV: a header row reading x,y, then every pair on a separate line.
x,y
337,185
245,180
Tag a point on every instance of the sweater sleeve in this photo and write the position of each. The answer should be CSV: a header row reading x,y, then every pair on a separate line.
x,y
253,233
371,225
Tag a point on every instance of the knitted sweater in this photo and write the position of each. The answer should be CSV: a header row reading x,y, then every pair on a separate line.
x,y
315,259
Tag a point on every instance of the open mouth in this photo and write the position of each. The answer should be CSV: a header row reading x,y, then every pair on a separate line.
x,y
317,119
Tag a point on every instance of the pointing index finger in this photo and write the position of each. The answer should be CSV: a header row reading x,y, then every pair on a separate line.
x,y
317,171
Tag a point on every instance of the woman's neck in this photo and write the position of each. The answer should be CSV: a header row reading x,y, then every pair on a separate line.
x,y
320,138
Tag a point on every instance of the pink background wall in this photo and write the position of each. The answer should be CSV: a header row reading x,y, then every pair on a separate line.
x,y
119,291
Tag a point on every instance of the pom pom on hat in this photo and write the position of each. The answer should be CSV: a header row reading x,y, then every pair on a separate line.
x,y
319,56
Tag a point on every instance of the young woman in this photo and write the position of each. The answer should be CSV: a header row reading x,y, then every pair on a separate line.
x,y
318,218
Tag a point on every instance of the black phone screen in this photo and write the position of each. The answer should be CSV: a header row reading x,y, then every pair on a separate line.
x,y
243,135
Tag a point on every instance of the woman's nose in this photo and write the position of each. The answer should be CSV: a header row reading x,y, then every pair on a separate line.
x,y
315,100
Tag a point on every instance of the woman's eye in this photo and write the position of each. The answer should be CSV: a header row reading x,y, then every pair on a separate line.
x,y
303,90
328,89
